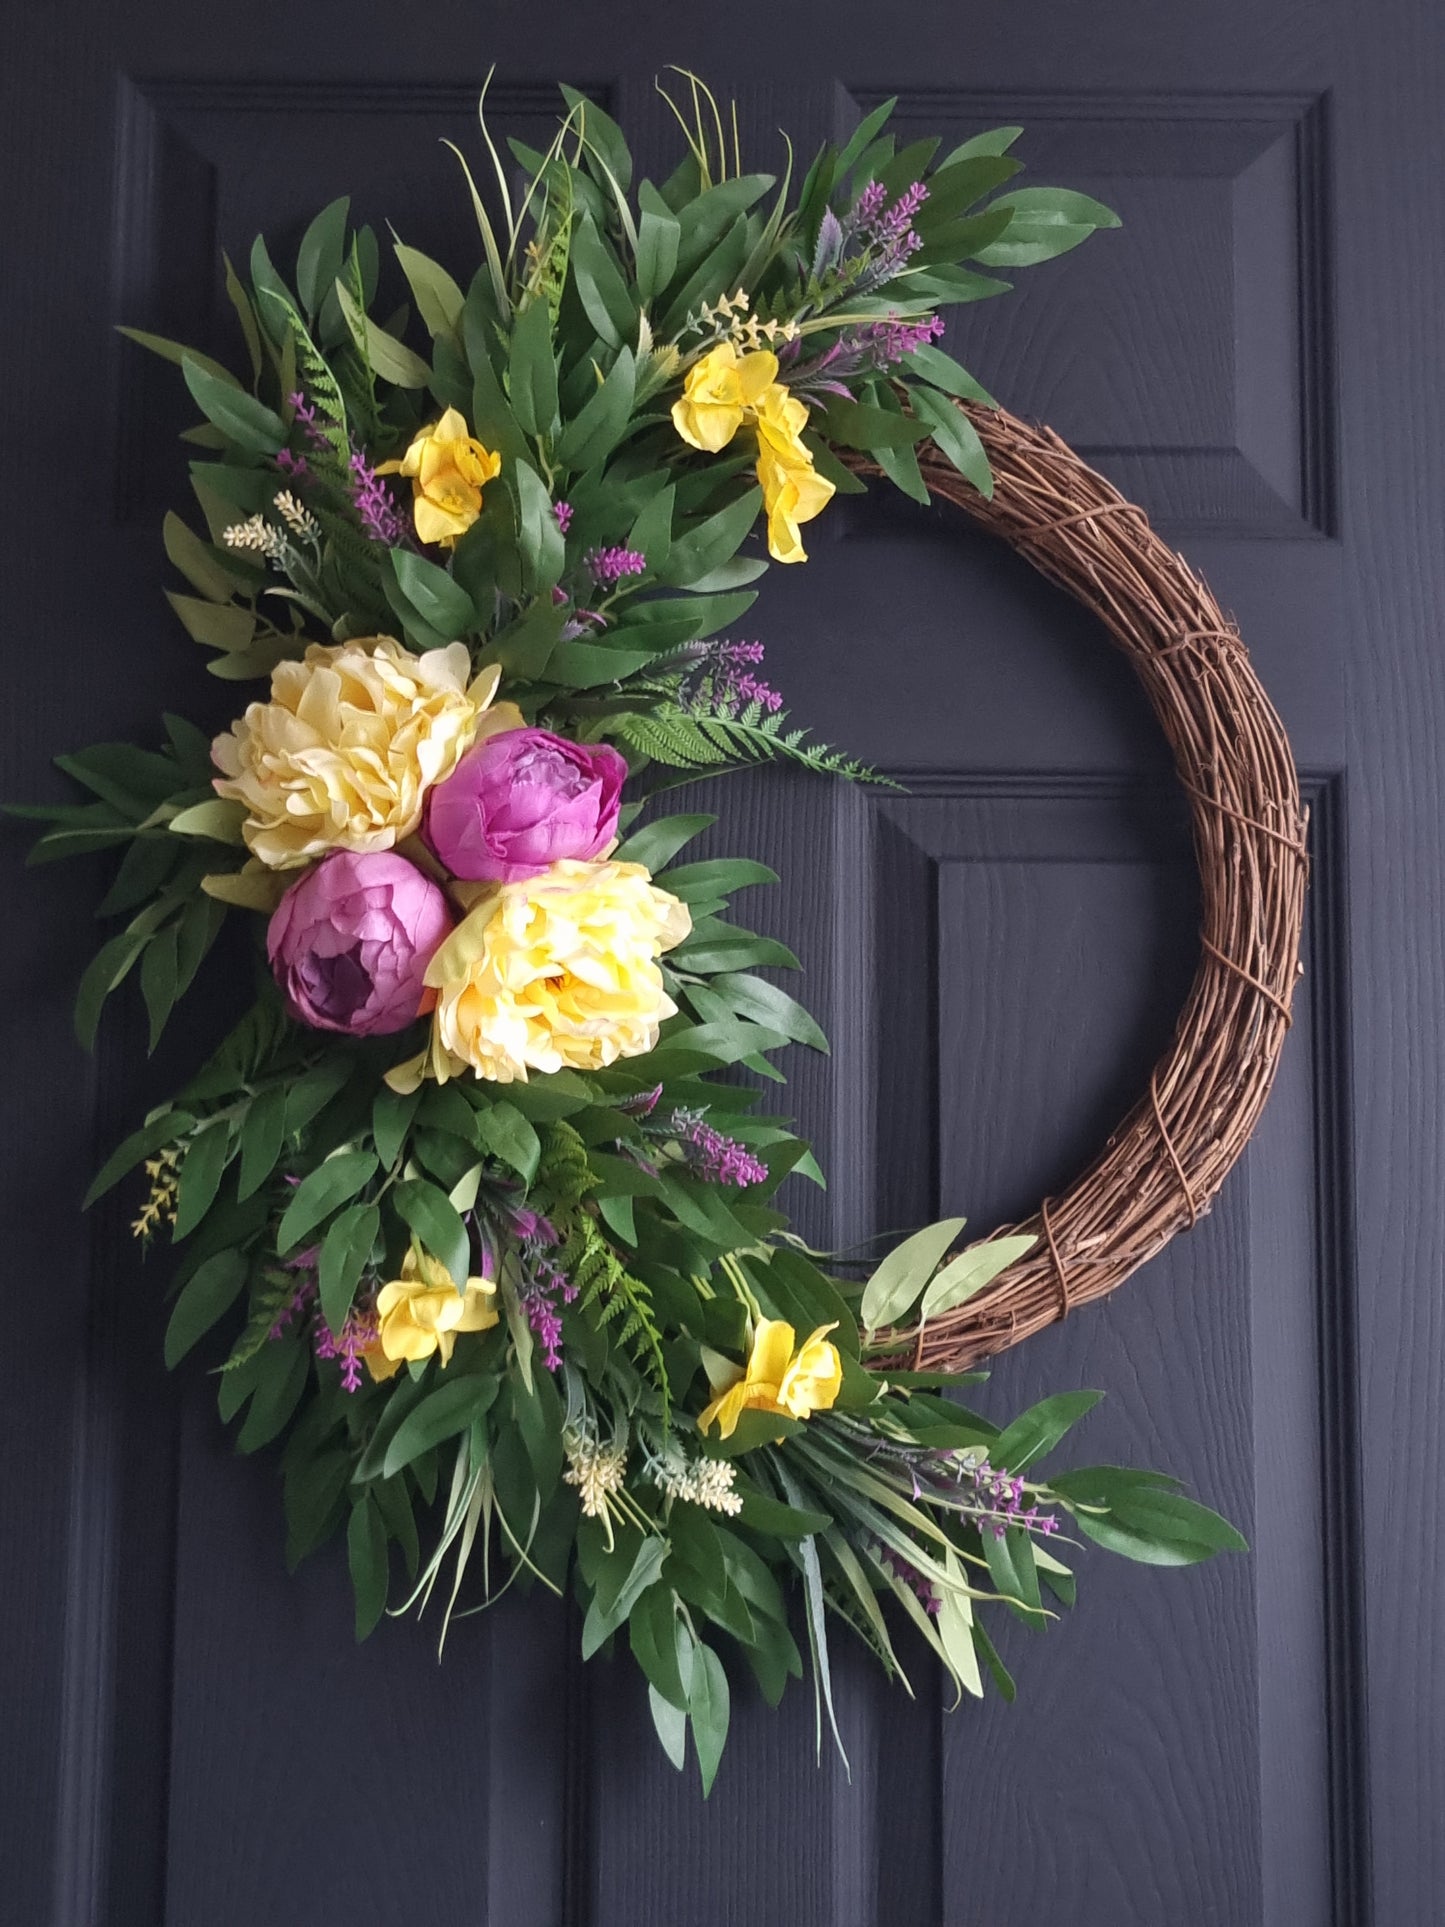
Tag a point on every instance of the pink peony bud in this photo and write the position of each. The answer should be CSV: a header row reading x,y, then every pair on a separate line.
x,y
350,942
521,801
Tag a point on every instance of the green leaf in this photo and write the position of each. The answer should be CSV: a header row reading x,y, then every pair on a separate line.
x,y
708,1708
219,819
858,424
717,877
591,665
764,1003
387,357
344,1252
532,370
439,300
670,1723
1038,1430
158,978
590,437
144,1143
525,646
899,1281
932,364
544,552
651,534
511,1137
1047,221
321,254
656,843
606,1614
200,1178
366,1556
954,435
218,625
262,1135
177,352
437,1225
324,1190
444,1412
207,1296
771,1516
602,135
706,547
391,1119
246,423
658,236
603,292
440,602
970,1272
199,564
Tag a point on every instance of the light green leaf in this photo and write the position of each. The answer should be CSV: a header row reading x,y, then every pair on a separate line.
x,y
439,300
532,370
708,1709
970,1272
219,820
899,1281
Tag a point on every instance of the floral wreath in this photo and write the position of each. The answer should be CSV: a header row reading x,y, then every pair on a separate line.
x,y
484,1237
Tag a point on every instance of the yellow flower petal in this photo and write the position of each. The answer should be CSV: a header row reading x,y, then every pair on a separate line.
x,y
343,754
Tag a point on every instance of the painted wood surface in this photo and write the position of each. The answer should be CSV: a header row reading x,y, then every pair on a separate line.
x,y
190,1735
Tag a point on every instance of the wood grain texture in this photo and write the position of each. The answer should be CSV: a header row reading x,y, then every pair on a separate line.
x,y
190,1734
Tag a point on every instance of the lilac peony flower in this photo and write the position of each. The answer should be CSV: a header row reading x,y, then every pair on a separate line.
x,y
521,801
349,943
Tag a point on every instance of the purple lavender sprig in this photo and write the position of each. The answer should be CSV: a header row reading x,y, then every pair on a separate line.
x,y
375,509
719,681
357,1335
608,567
711,1156
546,1287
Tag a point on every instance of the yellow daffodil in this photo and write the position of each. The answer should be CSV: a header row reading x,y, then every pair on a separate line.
x,y
422,1311
557,972
355,734
793,491
779,1378
719,394
447,467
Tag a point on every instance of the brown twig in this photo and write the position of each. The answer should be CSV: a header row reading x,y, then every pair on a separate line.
x,y
1163,1166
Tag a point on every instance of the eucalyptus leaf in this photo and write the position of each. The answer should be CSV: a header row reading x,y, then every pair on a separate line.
x,y
899,1282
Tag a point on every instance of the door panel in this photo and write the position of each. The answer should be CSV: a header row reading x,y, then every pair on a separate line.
x,y
997,951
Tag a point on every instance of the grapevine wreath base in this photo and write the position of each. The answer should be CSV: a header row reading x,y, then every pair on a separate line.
x,y
462,1213
1164,1164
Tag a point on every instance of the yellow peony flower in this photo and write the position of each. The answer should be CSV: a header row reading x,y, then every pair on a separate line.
x,y
447,467
793,491
557,972
354,735
719,394
422,1311
779,1379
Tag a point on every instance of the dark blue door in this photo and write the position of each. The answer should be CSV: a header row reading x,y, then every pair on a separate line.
x,y
998,953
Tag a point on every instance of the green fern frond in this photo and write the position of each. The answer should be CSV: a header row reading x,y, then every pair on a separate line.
x,y
699,742
271,1296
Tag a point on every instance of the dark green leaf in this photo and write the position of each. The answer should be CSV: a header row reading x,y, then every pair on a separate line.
x,y
262,1135
708,1706
590,437
656,843
366,1556
1037,1431
440,602
320,256
344,1252
532,370
324,1190
445,1411
206,1297
955,435
437,1226
201,1170
511,1137
603,292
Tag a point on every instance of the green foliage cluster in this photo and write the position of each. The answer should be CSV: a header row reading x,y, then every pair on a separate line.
x,y
297,1182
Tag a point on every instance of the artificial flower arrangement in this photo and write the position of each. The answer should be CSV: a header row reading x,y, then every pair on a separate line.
x,y
491,1245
